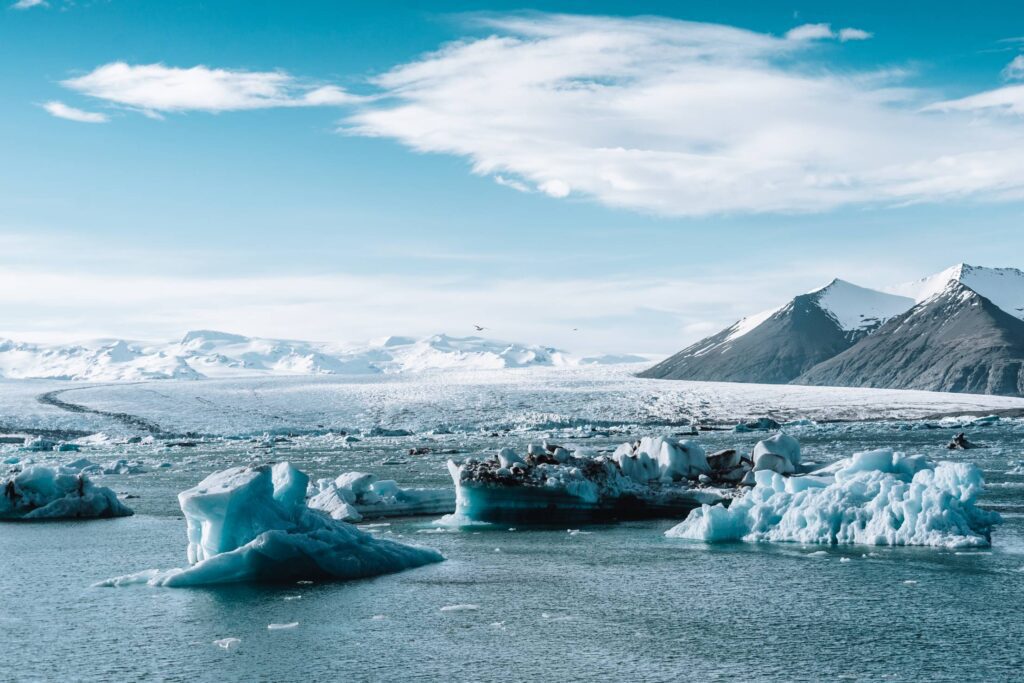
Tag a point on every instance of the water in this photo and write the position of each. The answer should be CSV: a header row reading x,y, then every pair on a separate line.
x,y
617,602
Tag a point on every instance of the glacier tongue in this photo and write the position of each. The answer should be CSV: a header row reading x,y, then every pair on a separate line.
x,y
252,524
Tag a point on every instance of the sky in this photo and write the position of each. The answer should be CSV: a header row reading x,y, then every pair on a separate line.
x,y
597,176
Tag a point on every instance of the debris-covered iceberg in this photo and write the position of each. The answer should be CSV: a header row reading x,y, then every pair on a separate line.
x,y
354,496
252,524
652,477
41,492
874,498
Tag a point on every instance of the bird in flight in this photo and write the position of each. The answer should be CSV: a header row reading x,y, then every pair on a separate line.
x,y
479,329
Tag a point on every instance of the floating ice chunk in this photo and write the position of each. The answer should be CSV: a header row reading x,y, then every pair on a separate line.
x,y
460,608
228,644
779,453
39,444
252,524
355,496
282,627
544,489
53,493
874,498
124,467
662,458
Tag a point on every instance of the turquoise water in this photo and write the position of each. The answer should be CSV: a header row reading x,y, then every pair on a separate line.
x,y
616,602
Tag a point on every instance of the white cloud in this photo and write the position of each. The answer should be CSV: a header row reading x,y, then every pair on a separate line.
x,y
1005,100
155,89
1015,69
848,34
63,111
28,4
555,188
810,32
682,118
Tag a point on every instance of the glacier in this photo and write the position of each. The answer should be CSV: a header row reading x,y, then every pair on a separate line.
x,y
252,523
877,497
41,492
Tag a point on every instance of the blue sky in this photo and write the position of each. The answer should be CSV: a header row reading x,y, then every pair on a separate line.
x,y
645,172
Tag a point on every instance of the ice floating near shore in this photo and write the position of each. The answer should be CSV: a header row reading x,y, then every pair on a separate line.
x,y
647,479
355,496
252,524
41,492
874,498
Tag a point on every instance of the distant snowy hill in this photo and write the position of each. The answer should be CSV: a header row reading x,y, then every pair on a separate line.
x,y
778,345
207,353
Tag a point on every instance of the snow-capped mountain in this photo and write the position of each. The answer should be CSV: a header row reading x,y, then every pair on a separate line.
x,y
954,340
207,353
1002,286
778,345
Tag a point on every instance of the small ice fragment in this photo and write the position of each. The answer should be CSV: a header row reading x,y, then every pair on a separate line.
x,y
910,582
498,624
497,550
228,644
281,627
378,617
845,559
511,528
304,583
818,553
293,597
460,608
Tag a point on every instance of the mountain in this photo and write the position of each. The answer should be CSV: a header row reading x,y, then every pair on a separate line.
x,y
1002,286
956,340
207,353
776,346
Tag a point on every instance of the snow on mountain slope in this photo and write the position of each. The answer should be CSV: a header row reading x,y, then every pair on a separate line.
x,y
859,308
778,345
1002,286
208,353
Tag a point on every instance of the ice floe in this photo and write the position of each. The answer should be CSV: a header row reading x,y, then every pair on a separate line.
x,y
41,492
355,496
874,498
253,524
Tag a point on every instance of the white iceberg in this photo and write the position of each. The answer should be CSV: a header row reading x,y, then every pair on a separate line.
x,y
354,496
779,453
252,524
41,492
874,498
551,485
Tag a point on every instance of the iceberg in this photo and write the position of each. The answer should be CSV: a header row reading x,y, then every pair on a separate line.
x,y
253,524
41,492
650,478
874,498
355,496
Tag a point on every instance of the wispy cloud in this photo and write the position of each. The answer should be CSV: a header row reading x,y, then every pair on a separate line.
x,y
848,34
825,32
654,115
63,111
810,32
159,89
1015,69
682,118
29,4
